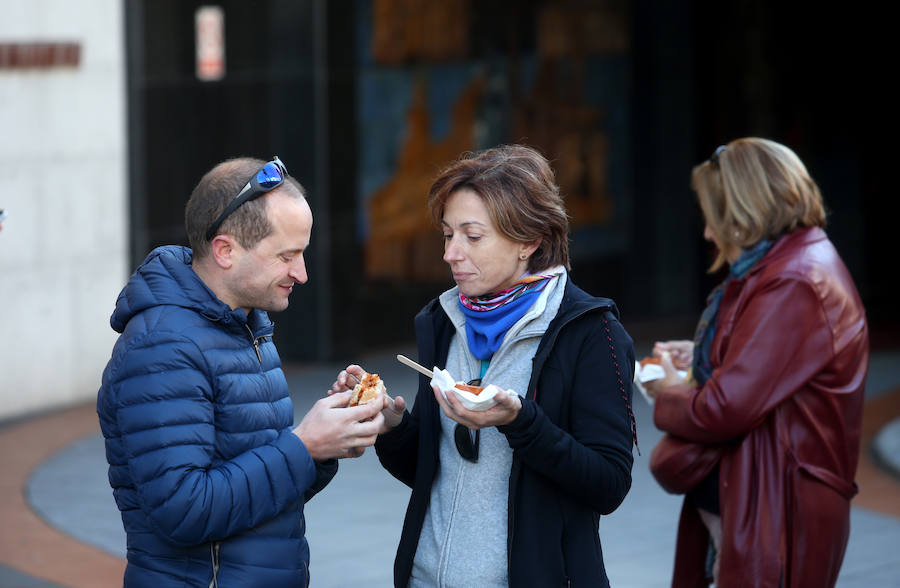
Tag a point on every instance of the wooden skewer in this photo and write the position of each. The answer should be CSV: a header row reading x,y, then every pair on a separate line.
x,y
410,363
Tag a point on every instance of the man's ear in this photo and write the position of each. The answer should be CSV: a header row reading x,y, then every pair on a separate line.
x,y
222,250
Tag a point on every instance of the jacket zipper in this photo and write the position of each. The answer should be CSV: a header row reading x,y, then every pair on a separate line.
x,y
214,555
255,341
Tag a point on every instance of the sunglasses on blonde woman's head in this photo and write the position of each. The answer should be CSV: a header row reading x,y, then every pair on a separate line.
x,y
269,177
467,442
714,158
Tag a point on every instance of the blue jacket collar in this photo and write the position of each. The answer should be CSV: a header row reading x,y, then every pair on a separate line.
x,y
166,278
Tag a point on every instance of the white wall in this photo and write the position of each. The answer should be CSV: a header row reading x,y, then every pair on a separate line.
x,y
63,247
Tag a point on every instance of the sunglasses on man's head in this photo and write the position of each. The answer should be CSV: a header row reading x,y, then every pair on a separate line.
x,y
466,444
269,177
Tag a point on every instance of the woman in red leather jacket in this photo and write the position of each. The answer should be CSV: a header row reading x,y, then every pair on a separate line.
x,y
763,435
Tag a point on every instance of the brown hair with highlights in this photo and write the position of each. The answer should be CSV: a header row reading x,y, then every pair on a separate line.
x,y
519,190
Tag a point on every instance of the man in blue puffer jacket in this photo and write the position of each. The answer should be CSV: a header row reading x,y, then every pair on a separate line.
x,y
206,469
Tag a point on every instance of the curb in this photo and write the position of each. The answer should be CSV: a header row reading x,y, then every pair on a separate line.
x,y
885,448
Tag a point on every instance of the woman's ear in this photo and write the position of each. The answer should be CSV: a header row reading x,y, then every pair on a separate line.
x,y
222,249
527,249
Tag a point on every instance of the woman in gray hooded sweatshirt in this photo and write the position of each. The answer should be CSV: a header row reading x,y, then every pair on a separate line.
x,y
512,495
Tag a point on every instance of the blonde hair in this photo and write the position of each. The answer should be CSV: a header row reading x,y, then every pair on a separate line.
x,y
753,189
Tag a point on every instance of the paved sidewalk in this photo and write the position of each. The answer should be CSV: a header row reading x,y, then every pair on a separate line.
x,y
73,535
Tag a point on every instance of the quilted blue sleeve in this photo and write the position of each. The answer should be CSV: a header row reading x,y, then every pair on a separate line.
x,y
165,418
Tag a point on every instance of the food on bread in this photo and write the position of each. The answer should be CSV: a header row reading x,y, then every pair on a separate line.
x,y
651,360
476,390
367,390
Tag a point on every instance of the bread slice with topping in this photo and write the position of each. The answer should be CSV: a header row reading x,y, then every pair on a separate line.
x,y
367,390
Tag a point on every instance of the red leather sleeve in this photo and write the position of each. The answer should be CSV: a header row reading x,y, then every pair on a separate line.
x,y
679,465
780,339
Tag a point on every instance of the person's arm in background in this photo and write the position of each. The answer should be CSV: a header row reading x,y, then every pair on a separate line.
x,y
325,472
774,350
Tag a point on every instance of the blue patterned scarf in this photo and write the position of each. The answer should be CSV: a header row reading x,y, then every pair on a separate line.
x,y
489,317
701,369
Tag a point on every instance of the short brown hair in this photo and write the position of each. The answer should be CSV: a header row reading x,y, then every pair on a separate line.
x,y
519,189
754,189
249,224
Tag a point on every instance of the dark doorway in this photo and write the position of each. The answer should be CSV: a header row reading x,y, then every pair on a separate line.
x,y
271,100
334,88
